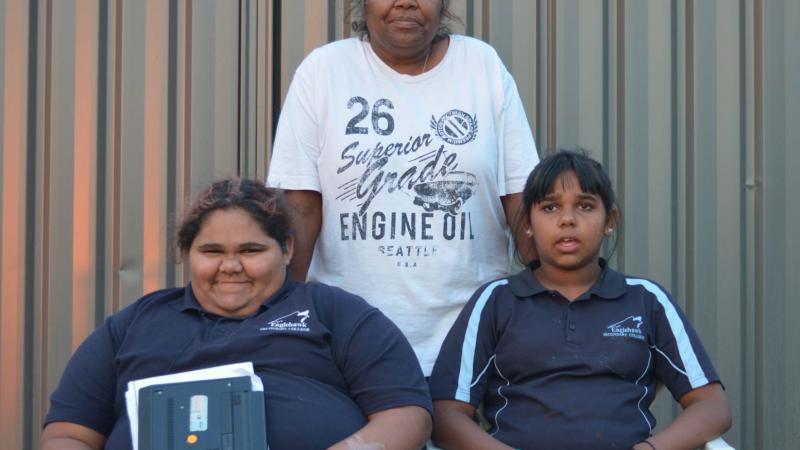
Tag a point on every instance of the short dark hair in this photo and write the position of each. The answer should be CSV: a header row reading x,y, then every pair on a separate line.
x,y
359,25
592,178
265,205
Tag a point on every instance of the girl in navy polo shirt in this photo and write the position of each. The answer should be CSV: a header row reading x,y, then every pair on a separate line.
x,y
567,354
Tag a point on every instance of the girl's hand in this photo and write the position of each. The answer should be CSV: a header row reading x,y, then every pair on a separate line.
x,y
706,415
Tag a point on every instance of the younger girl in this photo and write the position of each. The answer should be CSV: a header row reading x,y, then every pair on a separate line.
x,y
567,354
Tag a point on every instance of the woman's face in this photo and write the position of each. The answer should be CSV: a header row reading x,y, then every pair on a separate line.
x,y
402,27
234,266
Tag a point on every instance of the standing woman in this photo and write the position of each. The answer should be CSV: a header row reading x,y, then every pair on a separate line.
x,y
403,152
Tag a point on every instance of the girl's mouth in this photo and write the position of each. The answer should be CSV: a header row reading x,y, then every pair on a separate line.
x,y
567,244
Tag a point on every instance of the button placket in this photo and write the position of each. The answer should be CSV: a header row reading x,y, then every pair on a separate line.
x,y
570,323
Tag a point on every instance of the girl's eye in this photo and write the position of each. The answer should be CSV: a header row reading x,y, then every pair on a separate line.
x,y
586,207
549,208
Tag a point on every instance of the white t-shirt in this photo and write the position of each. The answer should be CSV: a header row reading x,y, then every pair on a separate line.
x,y
411,171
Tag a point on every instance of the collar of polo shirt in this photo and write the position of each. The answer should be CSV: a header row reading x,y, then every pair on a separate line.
x,y
610,285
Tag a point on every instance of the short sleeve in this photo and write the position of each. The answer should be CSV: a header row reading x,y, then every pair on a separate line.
x,y
379,366
86,393
298,138
517,147
681,362
462,368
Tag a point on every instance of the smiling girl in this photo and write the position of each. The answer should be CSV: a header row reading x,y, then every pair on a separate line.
x,y
567,354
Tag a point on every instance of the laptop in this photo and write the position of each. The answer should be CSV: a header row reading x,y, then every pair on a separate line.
x,y
221,414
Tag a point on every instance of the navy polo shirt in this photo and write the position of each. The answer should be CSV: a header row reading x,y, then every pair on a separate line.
x,y
569,375
327,360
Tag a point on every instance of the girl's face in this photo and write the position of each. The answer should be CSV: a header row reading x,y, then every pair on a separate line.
x,y
569,225
234,266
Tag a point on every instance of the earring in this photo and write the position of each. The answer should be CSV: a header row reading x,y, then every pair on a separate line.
x,y
528,231
608,231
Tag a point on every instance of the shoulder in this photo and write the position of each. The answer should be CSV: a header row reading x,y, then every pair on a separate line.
x,y
472,44
647,288
475,50
329,299
495,294
333,52
150,304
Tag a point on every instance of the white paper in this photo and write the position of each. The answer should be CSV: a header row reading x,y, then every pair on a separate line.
x,y
211,373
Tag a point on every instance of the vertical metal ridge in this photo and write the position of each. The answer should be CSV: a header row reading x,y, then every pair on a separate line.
x,y
264,56
116,189
276,64
30,385
485,19
620,130
606,74
172,136
45,201
744,284
552,50
539,130
101,222
331,23
674,145
187,105
242,74
758,111
470,25
689,195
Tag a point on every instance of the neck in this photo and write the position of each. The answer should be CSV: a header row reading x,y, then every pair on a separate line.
x,y
412,62
570,283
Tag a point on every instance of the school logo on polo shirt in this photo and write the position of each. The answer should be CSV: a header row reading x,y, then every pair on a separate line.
x,y
630,326
295,321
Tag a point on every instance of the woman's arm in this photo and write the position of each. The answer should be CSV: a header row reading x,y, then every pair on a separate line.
x,y
456,428
706,415
71,436
511,207
307,223
403,428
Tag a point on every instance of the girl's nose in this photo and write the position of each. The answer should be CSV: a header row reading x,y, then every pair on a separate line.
x,y
567,218
230,265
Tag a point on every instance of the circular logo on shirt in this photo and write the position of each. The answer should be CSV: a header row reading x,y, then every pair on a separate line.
x,y
455,127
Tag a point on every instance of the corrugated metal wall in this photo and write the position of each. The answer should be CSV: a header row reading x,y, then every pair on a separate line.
x,y
114,112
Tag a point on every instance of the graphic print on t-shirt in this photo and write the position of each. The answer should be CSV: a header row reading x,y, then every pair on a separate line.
x,y
420,169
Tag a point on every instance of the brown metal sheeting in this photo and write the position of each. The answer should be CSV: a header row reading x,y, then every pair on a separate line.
x,y
115,112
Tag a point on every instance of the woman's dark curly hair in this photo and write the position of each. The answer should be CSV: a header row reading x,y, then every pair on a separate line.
x,y
359,25
265,205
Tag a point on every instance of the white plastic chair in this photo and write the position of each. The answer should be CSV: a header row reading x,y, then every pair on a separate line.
x,y
718,444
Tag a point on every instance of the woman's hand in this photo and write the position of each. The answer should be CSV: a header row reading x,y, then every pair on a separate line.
x,y
403,428
706,415
71,436
456,428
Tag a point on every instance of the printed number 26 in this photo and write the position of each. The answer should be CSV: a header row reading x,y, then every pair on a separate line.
x,y
377,115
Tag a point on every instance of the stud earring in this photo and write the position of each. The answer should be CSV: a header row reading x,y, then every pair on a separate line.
x,y
608,231
528,231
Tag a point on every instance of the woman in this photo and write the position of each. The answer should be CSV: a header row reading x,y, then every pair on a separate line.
x,y
403,152
329,362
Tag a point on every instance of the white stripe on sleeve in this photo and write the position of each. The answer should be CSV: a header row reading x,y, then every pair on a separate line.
x,y
694,372
470,340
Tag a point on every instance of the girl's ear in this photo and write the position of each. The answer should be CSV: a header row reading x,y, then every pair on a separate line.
x,y
612,220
